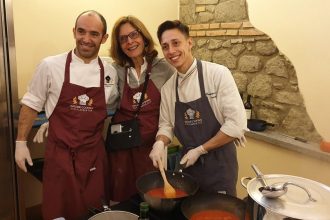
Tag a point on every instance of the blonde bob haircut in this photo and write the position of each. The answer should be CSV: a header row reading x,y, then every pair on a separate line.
x,y
117,53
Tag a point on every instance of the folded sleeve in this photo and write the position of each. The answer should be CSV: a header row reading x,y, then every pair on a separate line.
x,y
37,90
231,106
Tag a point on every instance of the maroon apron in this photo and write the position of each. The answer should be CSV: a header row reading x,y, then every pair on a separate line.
x,y
195,123
75,170
127,165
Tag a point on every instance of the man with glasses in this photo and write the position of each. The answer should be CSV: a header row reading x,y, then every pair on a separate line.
x,y
73,88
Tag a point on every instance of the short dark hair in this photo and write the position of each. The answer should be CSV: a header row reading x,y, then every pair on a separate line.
x,y
175,24
104,22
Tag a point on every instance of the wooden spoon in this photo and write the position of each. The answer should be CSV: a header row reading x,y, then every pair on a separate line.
x,y
169,190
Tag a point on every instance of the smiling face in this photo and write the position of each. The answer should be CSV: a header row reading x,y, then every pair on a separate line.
x,y
131,42
176,48
88,34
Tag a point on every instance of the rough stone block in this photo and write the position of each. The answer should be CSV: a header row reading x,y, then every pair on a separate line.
x,y
192,33
250,32
200,33
231,25
199,26
200,8
216,33
231,32
247,24
214,25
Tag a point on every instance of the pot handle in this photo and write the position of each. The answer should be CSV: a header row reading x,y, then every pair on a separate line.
x,y
180,167
243,179
306,190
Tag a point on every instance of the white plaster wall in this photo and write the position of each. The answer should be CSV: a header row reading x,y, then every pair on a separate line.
x,y
301,31
44,28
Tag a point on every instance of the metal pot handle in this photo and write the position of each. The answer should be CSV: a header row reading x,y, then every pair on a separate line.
x,y
306,190
243,179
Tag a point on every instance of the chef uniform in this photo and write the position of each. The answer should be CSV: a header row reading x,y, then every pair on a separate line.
x,y
127,165
213,171
76,167
198,120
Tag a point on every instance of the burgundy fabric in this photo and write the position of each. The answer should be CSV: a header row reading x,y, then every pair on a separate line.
x,y
127,165
76,167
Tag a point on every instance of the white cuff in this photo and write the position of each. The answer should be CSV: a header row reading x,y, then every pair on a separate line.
x,y
159,143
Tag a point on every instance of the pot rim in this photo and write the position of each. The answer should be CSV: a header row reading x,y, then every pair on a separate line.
x,y
294,203
114,211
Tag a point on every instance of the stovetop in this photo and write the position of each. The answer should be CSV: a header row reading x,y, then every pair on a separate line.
x,y
132,205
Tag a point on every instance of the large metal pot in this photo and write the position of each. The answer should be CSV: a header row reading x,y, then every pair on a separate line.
x,y
213,201
295,203
154,180
114,215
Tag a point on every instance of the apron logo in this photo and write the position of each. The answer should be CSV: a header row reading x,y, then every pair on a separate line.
x,y
109,81
82,103
137,97
83,99
192,117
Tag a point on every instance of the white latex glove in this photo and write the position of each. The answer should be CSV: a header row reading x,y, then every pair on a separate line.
x,y
157,153
22,153
39,137
192,156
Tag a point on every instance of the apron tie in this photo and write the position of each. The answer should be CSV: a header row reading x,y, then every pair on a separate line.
x,y
73,157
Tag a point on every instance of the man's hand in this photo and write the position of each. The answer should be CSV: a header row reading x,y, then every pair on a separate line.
x,y
22,153
157,153
43,130
192,156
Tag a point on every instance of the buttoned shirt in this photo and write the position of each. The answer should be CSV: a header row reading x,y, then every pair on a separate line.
x,y
221,91
45,87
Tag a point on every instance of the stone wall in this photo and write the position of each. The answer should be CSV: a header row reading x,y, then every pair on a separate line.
x,y
223,34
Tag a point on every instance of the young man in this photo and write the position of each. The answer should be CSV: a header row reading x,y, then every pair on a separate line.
x,y
73,88
201,106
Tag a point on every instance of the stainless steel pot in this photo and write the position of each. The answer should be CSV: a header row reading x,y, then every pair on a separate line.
x,y
114,215
296,203
154,180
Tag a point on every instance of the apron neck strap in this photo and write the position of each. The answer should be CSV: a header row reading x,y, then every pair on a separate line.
x,y
145,84
200,78
67,69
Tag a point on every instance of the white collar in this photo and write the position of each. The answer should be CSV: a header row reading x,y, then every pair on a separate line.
x,y
143,66
189,71
75,58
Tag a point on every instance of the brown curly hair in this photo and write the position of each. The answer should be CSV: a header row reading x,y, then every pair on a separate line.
x,y
117,53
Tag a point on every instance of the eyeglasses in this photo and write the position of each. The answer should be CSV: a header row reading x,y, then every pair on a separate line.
x,y
133,35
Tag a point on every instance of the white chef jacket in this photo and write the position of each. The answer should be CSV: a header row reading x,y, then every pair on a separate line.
x,y
221,91
46,84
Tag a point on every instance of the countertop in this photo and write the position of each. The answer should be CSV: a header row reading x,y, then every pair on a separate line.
x,y
281,140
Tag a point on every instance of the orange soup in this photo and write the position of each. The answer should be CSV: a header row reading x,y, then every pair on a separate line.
x,y
213,215
159,192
